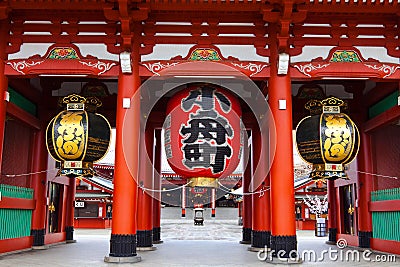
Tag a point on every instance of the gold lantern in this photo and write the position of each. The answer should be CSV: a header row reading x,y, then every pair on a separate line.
x,y
328,139
78,136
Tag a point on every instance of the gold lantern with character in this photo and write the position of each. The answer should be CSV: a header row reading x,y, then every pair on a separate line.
x,y
78,136
327,139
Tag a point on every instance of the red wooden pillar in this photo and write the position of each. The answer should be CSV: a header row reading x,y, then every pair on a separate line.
x,y
39,185
247,203
365,187
157,187
332,212
183,201
4,32
123,232
283,226
145,198
213,197
240,212
261,226
70,206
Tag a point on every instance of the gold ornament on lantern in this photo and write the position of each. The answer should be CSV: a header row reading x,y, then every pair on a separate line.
x,y
328,139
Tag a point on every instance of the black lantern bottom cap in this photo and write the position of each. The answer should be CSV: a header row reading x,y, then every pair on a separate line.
x,y
329,175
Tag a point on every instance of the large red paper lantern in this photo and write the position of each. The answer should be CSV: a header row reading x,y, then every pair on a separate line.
x,y
203,136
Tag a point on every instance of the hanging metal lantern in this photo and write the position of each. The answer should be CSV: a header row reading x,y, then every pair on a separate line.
x,y
328,139
78,136
203,137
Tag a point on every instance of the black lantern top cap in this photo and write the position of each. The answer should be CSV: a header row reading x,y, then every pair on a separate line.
x,y
328,105
332,101
314,106
332,105
77,102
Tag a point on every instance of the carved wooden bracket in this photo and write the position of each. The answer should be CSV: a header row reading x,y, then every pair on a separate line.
x,y
283,15
127,14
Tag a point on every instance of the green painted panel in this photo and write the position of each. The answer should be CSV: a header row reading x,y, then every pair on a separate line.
x,y
383,105
16,191
386,225
15,223
386,194
22,102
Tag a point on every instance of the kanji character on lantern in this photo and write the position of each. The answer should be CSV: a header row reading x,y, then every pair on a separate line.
x,y
204,139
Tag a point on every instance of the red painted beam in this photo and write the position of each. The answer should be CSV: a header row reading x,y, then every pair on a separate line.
x,y
343,7
51,176
352,240
24,87
384,118
304,186
380,91
53,238
17,203
389,246
386,205
105,189
24,116
15,244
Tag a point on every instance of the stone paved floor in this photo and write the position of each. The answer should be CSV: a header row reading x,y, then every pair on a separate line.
x,y
214,244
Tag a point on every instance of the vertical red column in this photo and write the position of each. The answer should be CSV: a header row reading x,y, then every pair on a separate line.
x,y
39,185
145,198
283,227
183,201
4,33
69,227
365,187
261,226
123,232
247,202
213,196
240,213
332,211
157,187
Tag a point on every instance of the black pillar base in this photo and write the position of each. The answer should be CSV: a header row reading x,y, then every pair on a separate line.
x,y
246,236
156,234
284,245
364,239
38,237
260,239
69,233
144,238
332,235
122,245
